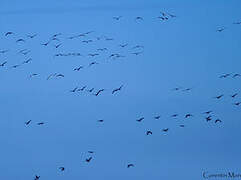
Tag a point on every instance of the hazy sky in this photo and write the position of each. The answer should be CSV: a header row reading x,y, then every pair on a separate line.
x,y
185,51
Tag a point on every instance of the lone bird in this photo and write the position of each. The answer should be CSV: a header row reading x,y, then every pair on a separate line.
x,y
101,120
40,123
237,103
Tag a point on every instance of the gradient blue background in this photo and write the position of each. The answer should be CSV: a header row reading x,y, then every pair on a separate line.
x,y
185,51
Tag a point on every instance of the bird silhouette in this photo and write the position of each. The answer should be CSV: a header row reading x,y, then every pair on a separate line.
x,y
219,97
217,120
117,89
225,75
28,122
234,95
208,118
73,90
93,63
78,68
98,92
88,159
182,125
20,40
140,119
174,115
91,90
57,46
165,130
40,123
148,133
237,103
130,165
188,115
3,51
27,61
37,177
8,33
31,36
139,18
157,117
82,89
117,17
208,112
101,120
123,45
61,168
32,75
91,152
221,29
236,75
3,64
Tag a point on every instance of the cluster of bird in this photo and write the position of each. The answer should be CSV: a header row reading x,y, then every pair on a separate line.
x,y
164,16
57,42
135,50
98,92
221,29
186,116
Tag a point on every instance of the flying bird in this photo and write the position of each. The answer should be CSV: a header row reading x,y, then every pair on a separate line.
x,y
123,45
140,119
207,112
165,130
236,75
78,68
117,89
37,177
157,117
32,75
208,118
117,17
28,122
101,120
93,63
57,46
220,29
234,95
174,115
74,89
139,18
32,36
8,33
3,64
219,97
188,115
20,40
130,165
61,168
148,133
217,120
91,90
88,159
98,92
82,89
40,123
237,103
182,125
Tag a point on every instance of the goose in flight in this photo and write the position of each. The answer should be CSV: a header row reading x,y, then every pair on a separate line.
x,y
28,122
88,159
208,118
98,92
219,97
73,90
91,90
37,177
117,17
208,112
130,165
188,115
236,75
32,75
3,64
8,33
140,119
78,68
61,168
20,40
148,133
40,123
117,89
31,36
165,130
157,117
237,103
218,120
234,95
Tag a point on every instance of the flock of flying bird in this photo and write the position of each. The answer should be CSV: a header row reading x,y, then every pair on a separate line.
x,y
57,41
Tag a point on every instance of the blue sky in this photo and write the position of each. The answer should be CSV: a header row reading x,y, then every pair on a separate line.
x,y
185,51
